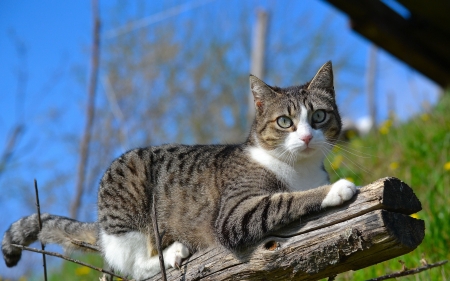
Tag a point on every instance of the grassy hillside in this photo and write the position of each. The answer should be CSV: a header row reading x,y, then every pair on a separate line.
x,y
417,152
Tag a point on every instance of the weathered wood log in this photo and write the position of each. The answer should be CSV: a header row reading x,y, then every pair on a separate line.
x,y
373,227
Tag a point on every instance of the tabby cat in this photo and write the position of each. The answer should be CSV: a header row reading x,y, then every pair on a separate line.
x,y
208,195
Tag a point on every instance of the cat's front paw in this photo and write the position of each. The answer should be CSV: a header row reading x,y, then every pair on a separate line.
x,y
175,254
341,191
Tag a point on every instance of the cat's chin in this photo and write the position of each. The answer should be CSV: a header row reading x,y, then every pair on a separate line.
x,y
307,152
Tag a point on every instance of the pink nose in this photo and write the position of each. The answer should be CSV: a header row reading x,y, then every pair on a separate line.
x,y
307,139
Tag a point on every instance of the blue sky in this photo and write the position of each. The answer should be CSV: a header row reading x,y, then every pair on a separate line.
x,y
47,42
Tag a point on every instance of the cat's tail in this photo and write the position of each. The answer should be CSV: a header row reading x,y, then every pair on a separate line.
x,y
55,230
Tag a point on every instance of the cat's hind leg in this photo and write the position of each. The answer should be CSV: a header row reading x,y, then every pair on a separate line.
x,y
148,267
129,254
174,255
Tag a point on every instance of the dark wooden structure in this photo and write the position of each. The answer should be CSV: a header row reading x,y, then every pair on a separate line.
x,y
420,37
374,226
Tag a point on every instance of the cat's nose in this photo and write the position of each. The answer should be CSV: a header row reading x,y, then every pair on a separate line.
x,y
306,139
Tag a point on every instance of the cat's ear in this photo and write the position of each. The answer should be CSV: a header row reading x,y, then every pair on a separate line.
x,y
323,78
261,92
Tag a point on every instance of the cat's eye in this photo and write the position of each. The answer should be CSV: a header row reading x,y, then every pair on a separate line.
x,y
284,122
319,116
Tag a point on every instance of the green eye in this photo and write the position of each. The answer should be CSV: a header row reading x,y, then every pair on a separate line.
x,y
284,122
319,116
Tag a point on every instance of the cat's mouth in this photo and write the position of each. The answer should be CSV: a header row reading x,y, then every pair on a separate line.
x,y
308,150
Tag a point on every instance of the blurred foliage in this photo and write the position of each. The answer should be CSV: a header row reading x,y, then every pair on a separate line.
x,y
71,271
417,152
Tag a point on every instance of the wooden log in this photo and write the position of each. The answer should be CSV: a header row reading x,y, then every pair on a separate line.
x,y
373,227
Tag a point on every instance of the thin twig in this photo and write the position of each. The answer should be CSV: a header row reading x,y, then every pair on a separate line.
x,y
38,206
86,245
408,272
10,148
141,23
69,259
158,240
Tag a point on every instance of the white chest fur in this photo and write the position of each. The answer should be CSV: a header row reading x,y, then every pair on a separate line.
x,y
304,175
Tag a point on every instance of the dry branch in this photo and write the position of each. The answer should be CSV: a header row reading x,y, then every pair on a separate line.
x,y
68,259
409,272
373,227
38,207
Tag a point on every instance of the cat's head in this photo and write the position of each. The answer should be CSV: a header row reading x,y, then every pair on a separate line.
x,y
298,121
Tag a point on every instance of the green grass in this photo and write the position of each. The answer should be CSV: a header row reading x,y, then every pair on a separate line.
x,y
72,271
417,152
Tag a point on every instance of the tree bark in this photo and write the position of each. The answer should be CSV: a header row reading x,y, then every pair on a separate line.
x,y
373,227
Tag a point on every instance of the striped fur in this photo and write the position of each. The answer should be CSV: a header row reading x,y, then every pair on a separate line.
x,y
207,195
55,230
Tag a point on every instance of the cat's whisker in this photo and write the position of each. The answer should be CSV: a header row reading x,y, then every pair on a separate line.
x,y
342,142
286,155
356,152
351,170
329,149
352,161
326,157
352,151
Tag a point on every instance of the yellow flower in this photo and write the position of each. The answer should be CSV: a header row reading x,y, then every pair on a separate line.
x,y
350,134
336,148
393,165
337,162
83,270
384,128
425,117
416,216
389,122
350,179
447,166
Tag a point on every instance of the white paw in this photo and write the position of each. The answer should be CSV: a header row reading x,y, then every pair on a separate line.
x,y
340,191
174,254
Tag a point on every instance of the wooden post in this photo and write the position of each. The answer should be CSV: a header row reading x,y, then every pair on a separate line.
x,y
373,227
371,86
90,114
257,56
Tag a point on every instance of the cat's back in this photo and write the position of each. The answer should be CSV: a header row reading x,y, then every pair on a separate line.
x,y
196,165
189,182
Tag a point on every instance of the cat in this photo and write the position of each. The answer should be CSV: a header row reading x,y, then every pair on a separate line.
x,y
209,195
